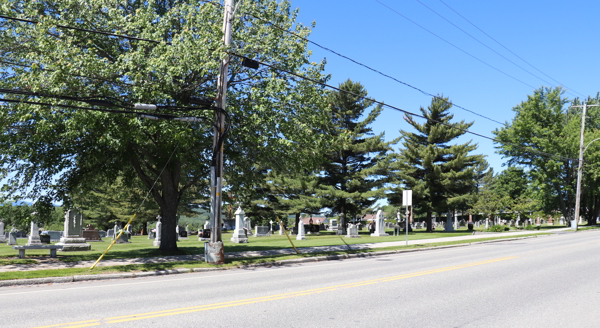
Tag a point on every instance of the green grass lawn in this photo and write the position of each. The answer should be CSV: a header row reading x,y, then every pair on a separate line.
x,y
200,264
141,246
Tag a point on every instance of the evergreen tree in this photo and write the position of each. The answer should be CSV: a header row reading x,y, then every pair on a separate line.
x,y
440,175
353,175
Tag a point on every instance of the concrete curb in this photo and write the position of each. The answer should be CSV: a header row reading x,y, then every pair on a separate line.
x,y
109,276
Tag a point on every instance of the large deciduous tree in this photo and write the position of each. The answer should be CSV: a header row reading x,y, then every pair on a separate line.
x,y
60,149
440,174
544,123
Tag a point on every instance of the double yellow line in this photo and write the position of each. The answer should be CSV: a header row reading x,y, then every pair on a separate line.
x,y
214,306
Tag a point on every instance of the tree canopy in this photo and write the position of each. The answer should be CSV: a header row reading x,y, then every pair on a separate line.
x,y
440,174
60,148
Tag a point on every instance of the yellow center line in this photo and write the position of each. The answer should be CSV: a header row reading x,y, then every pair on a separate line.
x,y
191,309
69,324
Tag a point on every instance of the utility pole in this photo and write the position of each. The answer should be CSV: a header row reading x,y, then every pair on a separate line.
x,y
580,167
214,251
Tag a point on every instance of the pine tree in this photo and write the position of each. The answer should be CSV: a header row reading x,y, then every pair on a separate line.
x,y
441,175
354,173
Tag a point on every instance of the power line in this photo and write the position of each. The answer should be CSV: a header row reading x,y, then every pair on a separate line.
x,y
399,109
498,42
287,31
164,116
483,44
453,45
368,67
330,86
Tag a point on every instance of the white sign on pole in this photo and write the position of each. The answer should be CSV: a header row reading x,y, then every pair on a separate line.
x,y
407,198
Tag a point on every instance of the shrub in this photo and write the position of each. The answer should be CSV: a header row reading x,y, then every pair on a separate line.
x,y
496,228
506,228
529,227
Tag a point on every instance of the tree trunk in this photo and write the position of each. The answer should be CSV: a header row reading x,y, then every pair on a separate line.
x,y
297,219
168,240
429,222
168,200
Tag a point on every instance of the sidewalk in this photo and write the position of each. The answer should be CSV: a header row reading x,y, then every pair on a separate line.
x,y
48,264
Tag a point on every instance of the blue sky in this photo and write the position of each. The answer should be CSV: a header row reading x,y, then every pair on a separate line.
x,y
556,37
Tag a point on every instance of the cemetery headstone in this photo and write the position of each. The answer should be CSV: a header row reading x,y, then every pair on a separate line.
x,y
91,234
116,229
301,232
2,238
248,224
124,239
352,231
156,241
281,229
239,234
110,233
261,231
183,234
72,239
34,235
379,224
449,226
12,237
333,225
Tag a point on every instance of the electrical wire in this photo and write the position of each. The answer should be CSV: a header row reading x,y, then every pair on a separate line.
x,y
332,87
455,46
498,42
368,67
485,45
399,109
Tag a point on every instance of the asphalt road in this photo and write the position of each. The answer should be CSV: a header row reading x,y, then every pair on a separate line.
x,y
541,282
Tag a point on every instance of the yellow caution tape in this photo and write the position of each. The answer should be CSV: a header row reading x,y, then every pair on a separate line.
x,y
286,234
114,241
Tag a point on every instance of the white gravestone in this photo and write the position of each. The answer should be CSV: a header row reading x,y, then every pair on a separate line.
x,y
352,231
379,223
207,225
12,236
271,226
300,235
34,235
239,235
72,239
116,229
2,238
281,229
177,231
248,224
449,226
156,241
261,231
333,225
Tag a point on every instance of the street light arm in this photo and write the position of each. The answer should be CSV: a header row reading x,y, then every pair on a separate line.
x,y
586,147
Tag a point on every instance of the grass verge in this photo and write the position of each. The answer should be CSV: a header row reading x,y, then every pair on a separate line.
x,y
231,263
